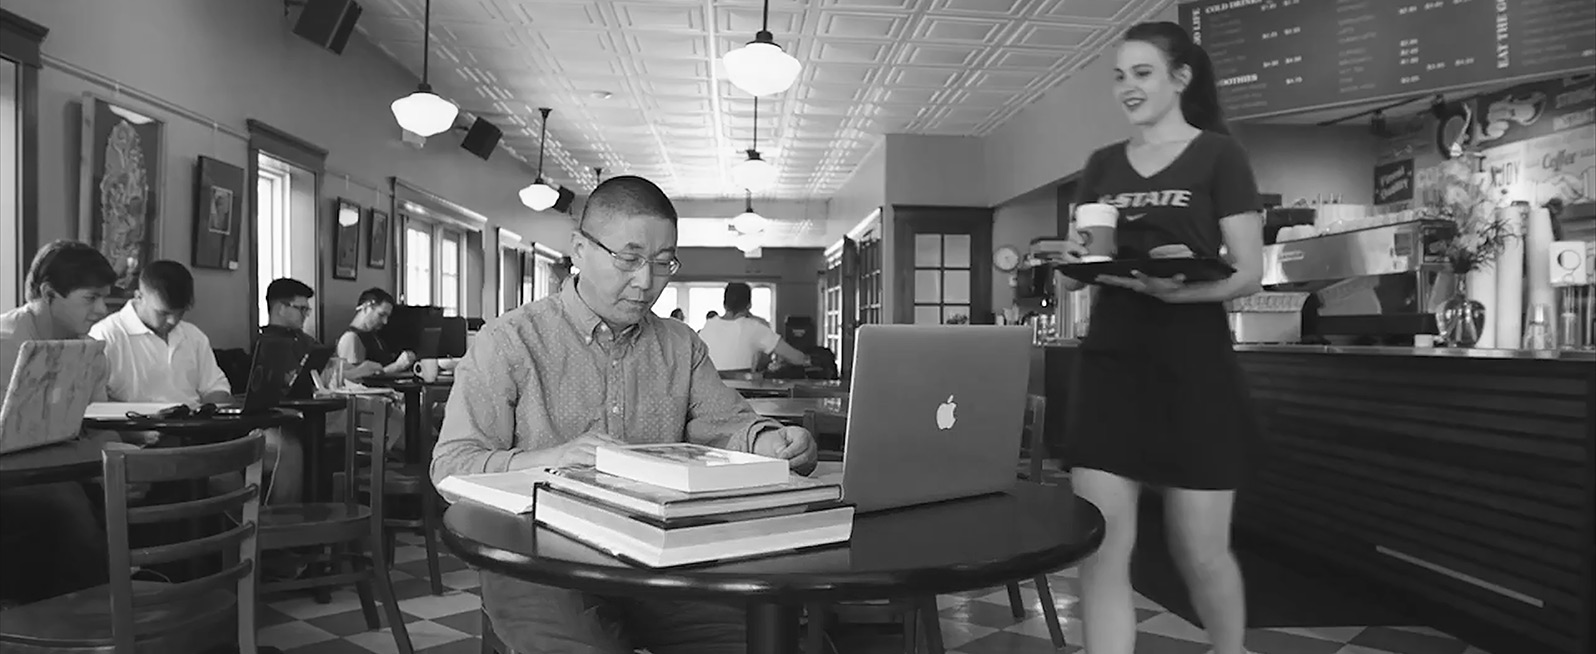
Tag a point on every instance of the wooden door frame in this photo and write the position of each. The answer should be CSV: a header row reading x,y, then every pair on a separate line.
x,y
911,220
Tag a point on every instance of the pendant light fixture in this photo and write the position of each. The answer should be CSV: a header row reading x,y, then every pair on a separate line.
x,y
748,223
424,112
540,196
761,67
754,173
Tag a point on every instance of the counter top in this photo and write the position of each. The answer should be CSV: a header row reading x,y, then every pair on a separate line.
x,y
1447,352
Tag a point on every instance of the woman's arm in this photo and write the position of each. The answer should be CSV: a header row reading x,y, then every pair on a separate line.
x,y
1243,235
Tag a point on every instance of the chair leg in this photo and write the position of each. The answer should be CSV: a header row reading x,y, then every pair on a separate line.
x,y
911,630
368,605
429,531
1016,602
930,623
390,604
1050,612
815,631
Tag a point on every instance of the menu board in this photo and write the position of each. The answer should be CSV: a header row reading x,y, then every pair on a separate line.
x,y
1283,56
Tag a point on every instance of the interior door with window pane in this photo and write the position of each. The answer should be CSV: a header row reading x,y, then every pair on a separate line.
x,y
944,265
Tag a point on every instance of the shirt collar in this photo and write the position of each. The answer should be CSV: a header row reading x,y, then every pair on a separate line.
x,y
582,317
130,322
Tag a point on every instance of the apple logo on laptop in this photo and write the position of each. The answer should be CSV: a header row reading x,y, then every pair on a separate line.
x,y
945,417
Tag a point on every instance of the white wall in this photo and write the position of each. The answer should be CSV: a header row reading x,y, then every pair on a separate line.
x,y
234,60
1304,161
945,171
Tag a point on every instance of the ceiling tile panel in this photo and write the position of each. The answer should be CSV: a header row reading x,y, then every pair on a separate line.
x,y
637,86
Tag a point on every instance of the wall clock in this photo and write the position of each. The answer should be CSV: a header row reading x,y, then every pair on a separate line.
x,y
1006,258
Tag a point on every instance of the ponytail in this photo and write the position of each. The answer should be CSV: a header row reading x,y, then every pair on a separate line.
x,y
1199,103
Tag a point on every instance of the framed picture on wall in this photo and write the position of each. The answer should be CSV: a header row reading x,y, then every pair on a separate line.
x,y
218,214
346,241
121,182
380,240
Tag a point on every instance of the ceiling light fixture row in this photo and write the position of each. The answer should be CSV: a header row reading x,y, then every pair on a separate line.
x,y
424,112
761,67
754,173
540,195
748,225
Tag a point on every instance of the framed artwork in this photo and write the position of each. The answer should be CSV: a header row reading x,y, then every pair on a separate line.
x,y
218,214
379,242
121,178
346,241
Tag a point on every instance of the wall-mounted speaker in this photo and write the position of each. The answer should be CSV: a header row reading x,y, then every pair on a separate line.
x,y
328,23
482,138
562,203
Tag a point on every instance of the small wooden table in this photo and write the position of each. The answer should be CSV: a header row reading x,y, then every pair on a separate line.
x,y
74,460
945,547
319,484
791,409
418,407
752,388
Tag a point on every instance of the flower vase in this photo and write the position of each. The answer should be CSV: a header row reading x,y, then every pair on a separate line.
x,y
1460,319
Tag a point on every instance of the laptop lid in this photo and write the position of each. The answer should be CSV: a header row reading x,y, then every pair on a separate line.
x,y
427,345
303,385
51,386
271,369
935,413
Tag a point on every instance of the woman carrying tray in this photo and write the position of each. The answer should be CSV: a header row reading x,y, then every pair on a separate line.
x,y
1160,399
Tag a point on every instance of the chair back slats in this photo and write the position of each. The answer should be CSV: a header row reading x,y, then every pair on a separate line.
x,y
196,462
166,593
1036,435
191,549
191,509
123,468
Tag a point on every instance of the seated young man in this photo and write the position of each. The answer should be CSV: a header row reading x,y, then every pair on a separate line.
x,y
53,542
362,347
156,356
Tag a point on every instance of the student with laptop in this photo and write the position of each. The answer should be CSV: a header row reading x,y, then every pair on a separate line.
x,y
287,308
54,543
362,347
156,356
738,341
548,382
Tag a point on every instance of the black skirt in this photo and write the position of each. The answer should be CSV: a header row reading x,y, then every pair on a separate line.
x,y
1160,397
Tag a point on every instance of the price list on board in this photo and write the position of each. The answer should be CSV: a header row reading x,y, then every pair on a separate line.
x,y
1281,56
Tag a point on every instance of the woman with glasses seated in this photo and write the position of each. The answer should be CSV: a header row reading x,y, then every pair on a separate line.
x,y
362,348
739,341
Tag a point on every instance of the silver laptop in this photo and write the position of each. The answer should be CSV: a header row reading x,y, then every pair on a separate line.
x,y
50,388
934,413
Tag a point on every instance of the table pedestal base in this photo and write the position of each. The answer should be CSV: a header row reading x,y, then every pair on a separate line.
x,y
772,628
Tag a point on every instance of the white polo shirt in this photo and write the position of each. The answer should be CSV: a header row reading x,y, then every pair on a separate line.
x,y
737,344
144,368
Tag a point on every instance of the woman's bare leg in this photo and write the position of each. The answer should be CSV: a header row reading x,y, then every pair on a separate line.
x,y
1199,537
1107,609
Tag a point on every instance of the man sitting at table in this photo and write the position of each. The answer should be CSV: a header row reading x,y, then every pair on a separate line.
x,y
362,347
156,356
287,308
53,540
548,382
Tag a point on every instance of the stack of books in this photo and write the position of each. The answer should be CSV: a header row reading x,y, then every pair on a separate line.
x,y
673,504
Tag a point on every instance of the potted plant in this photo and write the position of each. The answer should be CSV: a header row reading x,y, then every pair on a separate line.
x,y
1482,232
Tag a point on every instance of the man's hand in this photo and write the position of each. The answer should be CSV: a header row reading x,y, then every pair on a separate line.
x,y
406,359
795,444
581,451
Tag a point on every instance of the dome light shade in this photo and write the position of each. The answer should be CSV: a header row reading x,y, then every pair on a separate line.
x,y
539,196
753,173
424,113
761,67
747,242
748,223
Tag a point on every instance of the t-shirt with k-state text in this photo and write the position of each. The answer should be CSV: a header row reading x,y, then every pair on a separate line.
x,y
1181,204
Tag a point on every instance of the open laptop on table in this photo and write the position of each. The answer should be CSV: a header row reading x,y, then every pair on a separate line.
x,y
302,383
51,385
270,370
935,414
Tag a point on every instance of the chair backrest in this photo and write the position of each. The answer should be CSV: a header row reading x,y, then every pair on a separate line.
x,y
1035,435
124,468
366,426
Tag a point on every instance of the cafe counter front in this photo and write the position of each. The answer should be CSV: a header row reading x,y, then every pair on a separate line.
x,y
1462,480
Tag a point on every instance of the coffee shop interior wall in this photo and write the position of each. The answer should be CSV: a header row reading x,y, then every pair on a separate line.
x,y
232,61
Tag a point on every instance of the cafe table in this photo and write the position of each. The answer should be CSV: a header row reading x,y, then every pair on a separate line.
x,y
315,409
945,547
791,410
752,388
419,396
74,460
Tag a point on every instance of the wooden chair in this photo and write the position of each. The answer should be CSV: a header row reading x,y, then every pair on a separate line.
x,y
414,480
137,617
345,523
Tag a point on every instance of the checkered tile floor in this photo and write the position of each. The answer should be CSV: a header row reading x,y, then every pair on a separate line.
x,y
977,622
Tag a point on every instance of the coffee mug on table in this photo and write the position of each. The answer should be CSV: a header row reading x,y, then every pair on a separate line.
x,y
1095,222
426,369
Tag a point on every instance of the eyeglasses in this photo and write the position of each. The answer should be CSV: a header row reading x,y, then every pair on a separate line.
x,y
303,309
631,262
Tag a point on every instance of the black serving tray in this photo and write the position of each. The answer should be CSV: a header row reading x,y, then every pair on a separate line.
x,y
1202,269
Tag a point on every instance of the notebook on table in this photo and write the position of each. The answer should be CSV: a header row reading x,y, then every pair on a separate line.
x,y
51,386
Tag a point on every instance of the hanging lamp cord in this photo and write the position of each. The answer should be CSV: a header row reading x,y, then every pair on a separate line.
x,y
426,40
543,137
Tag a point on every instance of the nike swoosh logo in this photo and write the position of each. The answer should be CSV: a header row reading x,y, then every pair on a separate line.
x,y
1134,217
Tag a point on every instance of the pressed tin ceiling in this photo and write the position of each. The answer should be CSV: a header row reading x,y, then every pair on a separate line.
x,y
636,86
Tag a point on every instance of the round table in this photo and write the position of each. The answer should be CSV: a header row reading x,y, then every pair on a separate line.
x,y
945,547
418,407
213,427
792,409
760,387
315,410
74,460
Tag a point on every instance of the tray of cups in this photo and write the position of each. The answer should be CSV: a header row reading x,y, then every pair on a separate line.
x,y
1194,269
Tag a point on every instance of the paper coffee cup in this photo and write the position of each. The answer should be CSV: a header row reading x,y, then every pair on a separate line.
x,y
1096,222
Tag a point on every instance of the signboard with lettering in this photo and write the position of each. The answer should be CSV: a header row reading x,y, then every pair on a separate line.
x,y
1393,182
1283,56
